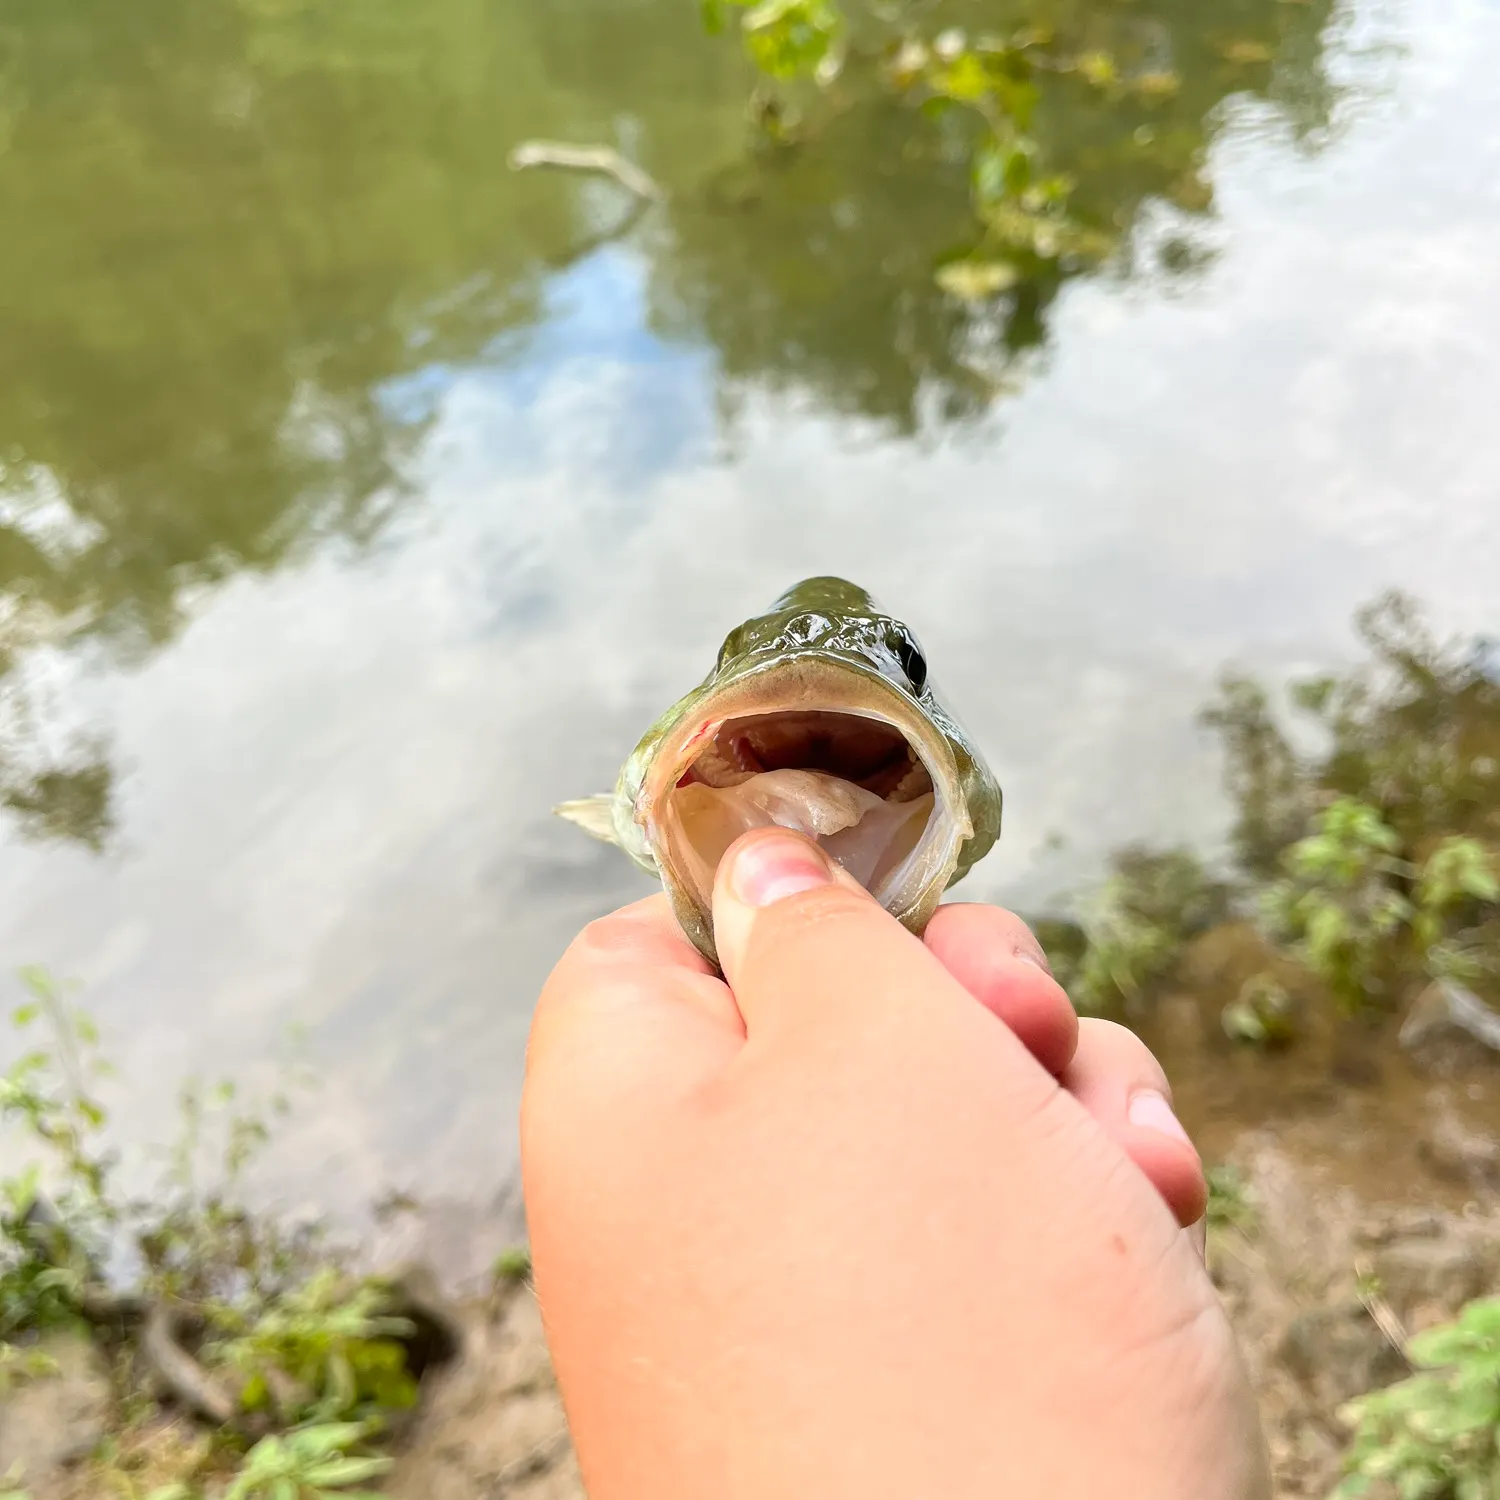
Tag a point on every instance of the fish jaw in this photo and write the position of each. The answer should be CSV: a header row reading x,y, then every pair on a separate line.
x,y
807,686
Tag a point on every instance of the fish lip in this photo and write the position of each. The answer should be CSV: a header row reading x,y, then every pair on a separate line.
x,y
715,703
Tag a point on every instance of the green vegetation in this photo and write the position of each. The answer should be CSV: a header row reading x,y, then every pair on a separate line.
x,y
1135,925
513,1266
990,87
1344,904
1433,1435
233,1318
306,1464
1370,865
1229,1203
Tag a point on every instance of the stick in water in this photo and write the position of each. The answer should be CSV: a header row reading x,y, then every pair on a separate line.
x,y
602,159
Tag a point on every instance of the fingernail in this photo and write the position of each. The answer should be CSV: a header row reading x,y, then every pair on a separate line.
x,y
1151,1111
1037,960
776,866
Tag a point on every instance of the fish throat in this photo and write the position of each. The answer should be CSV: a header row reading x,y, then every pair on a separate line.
x,y
851,780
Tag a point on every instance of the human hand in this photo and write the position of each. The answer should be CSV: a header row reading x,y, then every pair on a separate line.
x,y
832,1228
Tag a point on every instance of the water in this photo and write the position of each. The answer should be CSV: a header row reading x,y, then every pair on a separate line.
x,y
361,498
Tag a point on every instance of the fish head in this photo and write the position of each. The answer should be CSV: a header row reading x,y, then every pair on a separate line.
x,y
819,715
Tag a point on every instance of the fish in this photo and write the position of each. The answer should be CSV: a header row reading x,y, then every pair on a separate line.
x,y
821,716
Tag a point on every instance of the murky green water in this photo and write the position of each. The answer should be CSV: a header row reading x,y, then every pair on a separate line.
x,y
359,498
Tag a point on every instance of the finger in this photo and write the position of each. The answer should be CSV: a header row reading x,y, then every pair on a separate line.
x,y
993,954
631,999
792,929
1115,1077
814,961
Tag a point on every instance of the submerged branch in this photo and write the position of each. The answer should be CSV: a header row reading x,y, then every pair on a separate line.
x,y
604,160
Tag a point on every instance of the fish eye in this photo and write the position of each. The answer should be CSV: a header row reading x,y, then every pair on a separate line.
x,y
913,663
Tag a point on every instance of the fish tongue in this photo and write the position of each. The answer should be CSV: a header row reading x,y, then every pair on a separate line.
x,y
855,826
812,802
860,830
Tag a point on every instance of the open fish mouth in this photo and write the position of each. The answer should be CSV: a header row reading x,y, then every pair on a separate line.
x,y
850,779
818,717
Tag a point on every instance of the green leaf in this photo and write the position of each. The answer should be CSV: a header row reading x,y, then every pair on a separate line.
x,y
712,13
326,1438
255,1394
1444,1345
988,172
24,1015
338,1472
976,280
965,80
1099,68
788,39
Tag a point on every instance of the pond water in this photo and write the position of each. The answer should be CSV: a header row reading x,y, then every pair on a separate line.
x,y
361,498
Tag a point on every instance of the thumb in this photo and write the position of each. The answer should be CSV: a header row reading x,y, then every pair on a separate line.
x,y
802,942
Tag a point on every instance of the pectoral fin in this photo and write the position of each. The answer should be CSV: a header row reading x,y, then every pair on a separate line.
x,y
595,815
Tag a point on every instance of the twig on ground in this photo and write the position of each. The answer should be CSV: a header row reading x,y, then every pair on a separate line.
x,y
538,1461
1382,1314
189,1384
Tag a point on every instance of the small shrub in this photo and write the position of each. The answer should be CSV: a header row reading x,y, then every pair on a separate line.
x,y
327,1340
1338,908
1435,1435
308,1463
1135,924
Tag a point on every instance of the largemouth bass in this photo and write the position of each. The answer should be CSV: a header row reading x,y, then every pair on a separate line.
x,y
819,715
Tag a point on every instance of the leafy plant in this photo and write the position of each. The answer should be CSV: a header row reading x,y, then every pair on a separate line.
x,y
1435,1435
324,1349
1135,924
55,1212
1229,1205
201,1245
980,93
1124,952
1338,907
1458,874
1350,898
305,1343
308,1463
